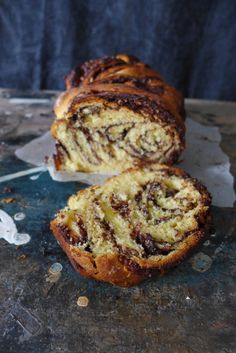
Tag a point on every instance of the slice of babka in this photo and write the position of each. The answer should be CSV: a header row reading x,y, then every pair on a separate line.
x,y
137,224
117,113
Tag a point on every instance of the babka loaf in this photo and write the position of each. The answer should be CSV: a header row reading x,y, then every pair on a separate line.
x,y
117,113
137,224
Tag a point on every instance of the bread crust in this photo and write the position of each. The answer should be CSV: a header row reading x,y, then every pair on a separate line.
x,y
107,268
114,268
110,268
131,76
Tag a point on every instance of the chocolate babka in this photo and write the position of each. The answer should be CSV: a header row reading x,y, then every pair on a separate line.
x,y
117,113
137,224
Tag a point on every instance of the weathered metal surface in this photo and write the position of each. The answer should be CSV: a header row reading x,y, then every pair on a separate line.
x,y
185,311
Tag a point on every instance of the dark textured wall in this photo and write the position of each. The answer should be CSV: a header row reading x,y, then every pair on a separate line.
x,y
191,43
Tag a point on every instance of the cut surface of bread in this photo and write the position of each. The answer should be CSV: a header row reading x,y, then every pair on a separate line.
x,y
139,223
117,113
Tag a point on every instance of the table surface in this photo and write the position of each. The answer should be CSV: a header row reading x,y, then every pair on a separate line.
x,y
182,312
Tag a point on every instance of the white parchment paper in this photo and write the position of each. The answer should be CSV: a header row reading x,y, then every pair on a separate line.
x,y
35,152
202,159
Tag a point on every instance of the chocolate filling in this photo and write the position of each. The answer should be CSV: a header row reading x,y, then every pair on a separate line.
x,y
150,84
147,242
71,238
124,253
122,134
171,193
89,138
61,149
83,233
68,235
120,206
108,233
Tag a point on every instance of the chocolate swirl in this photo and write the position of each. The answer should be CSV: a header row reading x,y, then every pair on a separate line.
x,y
136,224
116,113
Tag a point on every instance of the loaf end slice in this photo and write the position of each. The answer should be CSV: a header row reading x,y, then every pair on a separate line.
x,y
138,224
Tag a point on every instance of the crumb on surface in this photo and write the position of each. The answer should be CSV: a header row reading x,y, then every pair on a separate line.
x,y
7,200
22,257
82,301
55,268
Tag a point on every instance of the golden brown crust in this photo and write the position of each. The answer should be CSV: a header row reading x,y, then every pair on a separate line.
x,y
118,270
110,268
107,268
120,74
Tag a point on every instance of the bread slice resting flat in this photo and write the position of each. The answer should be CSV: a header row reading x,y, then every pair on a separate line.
x,y
136,225
115,114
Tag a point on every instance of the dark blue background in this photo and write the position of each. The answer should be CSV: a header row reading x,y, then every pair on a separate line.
x,y
191,43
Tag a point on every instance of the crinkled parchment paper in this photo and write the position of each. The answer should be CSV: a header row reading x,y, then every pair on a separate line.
x,y
202,159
